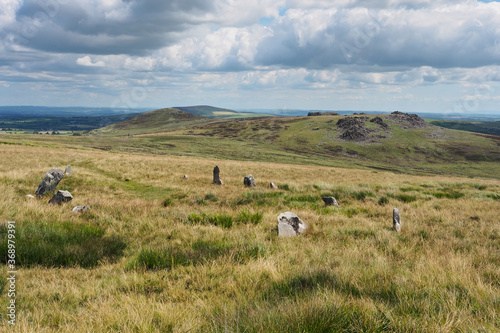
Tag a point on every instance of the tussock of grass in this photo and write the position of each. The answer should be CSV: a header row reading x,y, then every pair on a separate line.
x,y
62,245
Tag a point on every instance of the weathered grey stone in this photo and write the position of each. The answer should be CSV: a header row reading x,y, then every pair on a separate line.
x,y
80,209
330,201
50,182
217,179
60,197
29,196
396,220
185,177
290,225
249,181
273,186
68,171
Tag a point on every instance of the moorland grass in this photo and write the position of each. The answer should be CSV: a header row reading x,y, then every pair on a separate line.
x,y
349,272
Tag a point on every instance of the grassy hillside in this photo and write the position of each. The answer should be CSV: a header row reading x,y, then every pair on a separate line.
x,y
383,142
157,253
153,121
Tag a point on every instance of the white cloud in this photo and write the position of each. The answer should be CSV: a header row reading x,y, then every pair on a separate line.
x,y
87,61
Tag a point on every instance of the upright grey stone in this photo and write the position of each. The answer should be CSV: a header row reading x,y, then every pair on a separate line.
x,y
60,197
273,186
80,209
49,182
290,225
217,179
249,181
330,201
68,171
396,220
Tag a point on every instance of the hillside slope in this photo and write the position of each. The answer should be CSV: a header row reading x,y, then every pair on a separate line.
x,y
153,121
397,142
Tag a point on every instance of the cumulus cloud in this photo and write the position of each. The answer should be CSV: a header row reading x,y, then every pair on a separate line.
x,y
237,45
87,61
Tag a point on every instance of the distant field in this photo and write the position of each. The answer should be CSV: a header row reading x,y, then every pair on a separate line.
x,y
486,127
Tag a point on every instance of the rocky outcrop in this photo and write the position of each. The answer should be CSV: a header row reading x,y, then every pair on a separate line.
x,y
49,182
379,121
407,120
353,129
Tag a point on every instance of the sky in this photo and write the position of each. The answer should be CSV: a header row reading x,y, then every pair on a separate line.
x,y
382,55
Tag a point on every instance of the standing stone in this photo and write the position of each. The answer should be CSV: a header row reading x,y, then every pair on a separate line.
x,y
290,225
80,209
249,181
185,177
273,186
49,182
60,197
68,171
217,179
330,201
396,220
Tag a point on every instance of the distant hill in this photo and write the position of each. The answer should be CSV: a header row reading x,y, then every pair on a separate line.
x,y
153,121
216,112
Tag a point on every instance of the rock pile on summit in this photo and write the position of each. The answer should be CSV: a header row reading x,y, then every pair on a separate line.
x,y
407,120
379,121
353,129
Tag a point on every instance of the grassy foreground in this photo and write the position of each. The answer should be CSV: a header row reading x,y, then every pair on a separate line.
x,y
156,253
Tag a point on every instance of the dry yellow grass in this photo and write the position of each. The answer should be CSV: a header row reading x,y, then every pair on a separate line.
x,y
440,274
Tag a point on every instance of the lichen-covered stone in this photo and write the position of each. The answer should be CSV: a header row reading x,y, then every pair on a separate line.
x,y
396,220
50,182
249,181
290,225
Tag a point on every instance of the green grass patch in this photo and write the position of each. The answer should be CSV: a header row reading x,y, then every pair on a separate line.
x,y
450,194
198,253
383,201
245,216
61,245
406,198
220,220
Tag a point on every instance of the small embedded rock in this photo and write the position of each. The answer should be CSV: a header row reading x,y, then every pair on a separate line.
x,y
330,201
273,186
68,171
80,209
60,197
